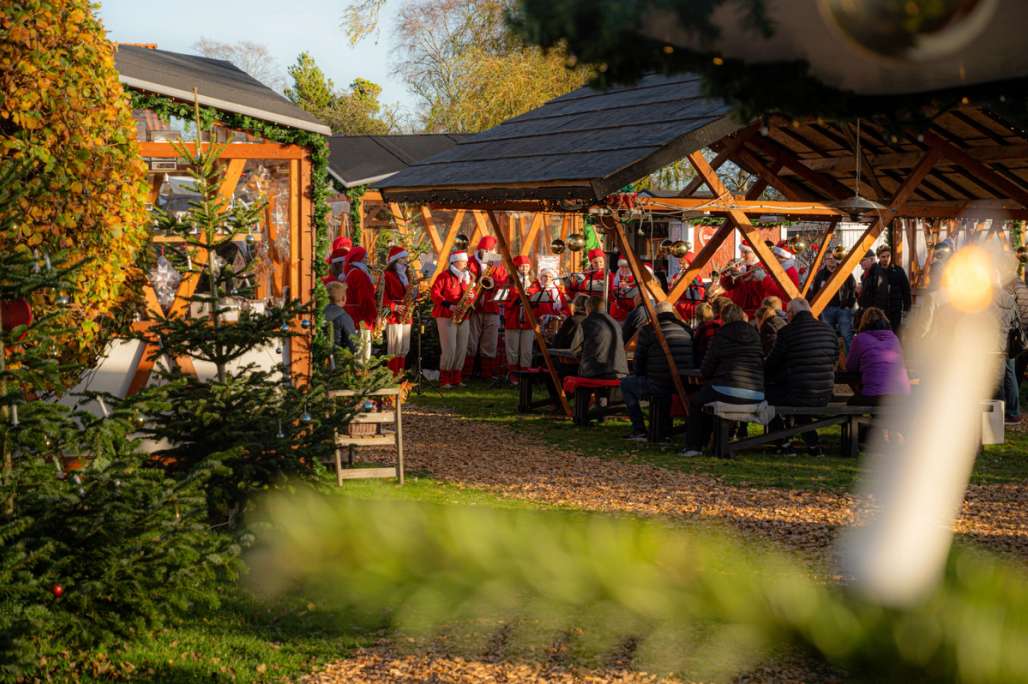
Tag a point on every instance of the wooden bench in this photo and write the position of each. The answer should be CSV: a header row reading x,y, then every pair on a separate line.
x,y
528,378
361,437
663,411
849,417
584,390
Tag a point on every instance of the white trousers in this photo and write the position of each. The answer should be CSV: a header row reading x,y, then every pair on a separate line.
x,y
453,339
397,339
483,333
519,347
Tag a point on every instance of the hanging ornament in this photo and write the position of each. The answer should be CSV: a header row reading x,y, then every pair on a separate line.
x,y
280,434
576,242
15,312
557,246
57,591
306,417
164,279
63,299
679,249
909,31
461,242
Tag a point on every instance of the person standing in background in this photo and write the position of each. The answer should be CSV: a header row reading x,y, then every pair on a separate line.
x,y
447,292
484,318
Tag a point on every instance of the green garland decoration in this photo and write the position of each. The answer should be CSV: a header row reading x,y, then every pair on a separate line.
x,y
610,34
354,195
315,143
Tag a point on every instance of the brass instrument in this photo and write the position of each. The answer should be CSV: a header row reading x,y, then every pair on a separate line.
x,y
467,301
410,300
383,311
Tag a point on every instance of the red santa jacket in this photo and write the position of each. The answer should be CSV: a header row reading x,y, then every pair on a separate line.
x,y
395,295
486,298
514,317
621,303
548,302
693,296
448,289
747,293
772,289
360,298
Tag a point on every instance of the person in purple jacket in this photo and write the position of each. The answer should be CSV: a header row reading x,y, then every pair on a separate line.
x,y
876,354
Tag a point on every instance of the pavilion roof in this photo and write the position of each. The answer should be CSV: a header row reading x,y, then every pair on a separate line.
x,y
365,159
221,85
583,145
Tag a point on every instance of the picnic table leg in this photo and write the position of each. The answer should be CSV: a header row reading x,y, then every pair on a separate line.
x,y
854,436
720,437
582,396
524,394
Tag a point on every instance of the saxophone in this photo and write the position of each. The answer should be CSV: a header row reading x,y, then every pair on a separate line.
x,y
383,311
467,301
410,300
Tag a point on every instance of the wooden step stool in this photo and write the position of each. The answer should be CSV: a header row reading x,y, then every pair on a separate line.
x,y
366,431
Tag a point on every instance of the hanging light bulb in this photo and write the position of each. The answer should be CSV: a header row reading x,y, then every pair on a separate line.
x,y
857,206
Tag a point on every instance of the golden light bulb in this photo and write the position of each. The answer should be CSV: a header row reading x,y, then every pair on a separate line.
x,y
967,279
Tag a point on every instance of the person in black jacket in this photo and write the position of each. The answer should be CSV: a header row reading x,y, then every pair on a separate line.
x,y
887,288
636,319
800,369
839,312
733,372
651,376
603,351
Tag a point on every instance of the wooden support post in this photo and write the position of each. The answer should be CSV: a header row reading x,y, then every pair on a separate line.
x,y
928,160
768,175
819,259
443,262
705,255
533,234
433,233
724,155
633,264
508,260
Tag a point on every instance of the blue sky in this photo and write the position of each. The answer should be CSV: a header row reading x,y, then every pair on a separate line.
x,y
285,27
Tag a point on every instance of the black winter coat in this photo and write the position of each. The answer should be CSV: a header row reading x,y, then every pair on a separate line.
x,y
634,322
845,298
801,367
734,358
769,333
649,356
889,290
603,351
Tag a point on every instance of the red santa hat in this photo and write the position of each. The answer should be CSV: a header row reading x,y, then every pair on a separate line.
x,y
746,246
522,260
358,253
782,251
487,243
459,255
595,253
340,246
396,252
337,256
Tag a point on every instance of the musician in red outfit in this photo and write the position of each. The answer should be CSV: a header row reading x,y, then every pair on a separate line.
x,y
337,257
447,292
745,285
484,319
361,302
694,295
788,261
622,284
397,287
517,331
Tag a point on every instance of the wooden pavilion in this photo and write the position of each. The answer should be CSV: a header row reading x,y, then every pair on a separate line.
x,y
967,173
283,244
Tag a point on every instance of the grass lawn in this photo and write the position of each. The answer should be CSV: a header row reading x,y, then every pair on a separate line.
x,y
1004,463
247,641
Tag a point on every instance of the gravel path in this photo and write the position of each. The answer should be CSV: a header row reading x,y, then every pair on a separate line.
x,y
520,466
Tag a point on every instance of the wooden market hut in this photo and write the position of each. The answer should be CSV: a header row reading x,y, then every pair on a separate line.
x,y
252,121
967,171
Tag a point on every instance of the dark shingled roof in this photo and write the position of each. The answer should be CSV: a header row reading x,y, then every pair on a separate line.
x,y
222,85
364,159
583,145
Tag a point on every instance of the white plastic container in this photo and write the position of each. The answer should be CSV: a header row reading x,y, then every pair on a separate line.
x,y
992,422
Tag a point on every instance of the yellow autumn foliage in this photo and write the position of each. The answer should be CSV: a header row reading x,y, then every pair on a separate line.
x,y
62,107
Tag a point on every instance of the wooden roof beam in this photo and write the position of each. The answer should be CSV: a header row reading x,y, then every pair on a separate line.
x,y
724,154
906,160
903,194
767,175
971,165
823,182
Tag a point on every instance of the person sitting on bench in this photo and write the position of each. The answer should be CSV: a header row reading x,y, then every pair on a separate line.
x,y
603,351
733,372
651,377
636,319
877,355
800,369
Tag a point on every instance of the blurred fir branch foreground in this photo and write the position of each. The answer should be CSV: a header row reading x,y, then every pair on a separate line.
x,y
683,597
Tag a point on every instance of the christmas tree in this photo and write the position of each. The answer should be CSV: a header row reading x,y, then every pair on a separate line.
x,y
96,543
